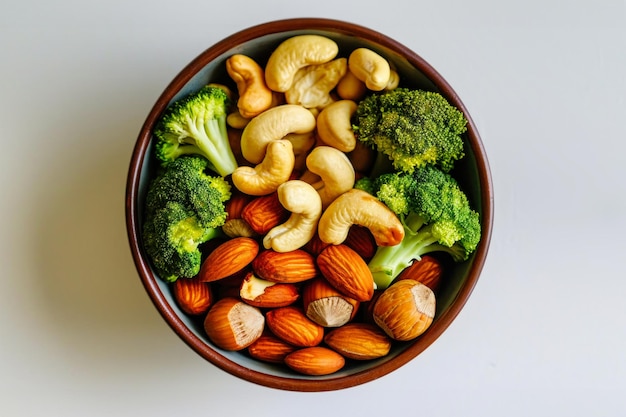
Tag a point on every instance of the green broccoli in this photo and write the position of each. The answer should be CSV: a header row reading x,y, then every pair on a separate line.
x,y
172,238
366,184
196,124
185,207
412,128
436,215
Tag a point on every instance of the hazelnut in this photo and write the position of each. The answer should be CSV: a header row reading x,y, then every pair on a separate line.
x,y
233,325
405,310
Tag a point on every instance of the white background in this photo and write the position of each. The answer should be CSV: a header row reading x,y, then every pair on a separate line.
x,y
544,332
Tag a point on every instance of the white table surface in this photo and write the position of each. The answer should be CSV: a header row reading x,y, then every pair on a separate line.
x,y
544,332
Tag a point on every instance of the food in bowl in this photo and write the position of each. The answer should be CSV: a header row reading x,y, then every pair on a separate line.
x,y
303,211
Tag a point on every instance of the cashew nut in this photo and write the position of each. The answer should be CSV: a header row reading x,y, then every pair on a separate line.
x,y
394,80
335,171
302,144
369,67
236,120
254,96
350,87
305,206
225,88
273,124
334,125
312,84
359,207
295,53
274,170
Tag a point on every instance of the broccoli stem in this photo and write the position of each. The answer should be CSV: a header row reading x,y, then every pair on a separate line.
x,y
390,261
212,140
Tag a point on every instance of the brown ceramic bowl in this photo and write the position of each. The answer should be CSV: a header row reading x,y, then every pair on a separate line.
x,y
474,176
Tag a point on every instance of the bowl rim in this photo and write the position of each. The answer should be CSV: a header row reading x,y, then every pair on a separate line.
x,y
132,209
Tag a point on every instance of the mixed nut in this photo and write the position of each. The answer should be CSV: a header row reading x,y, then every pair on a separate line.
x,y
291,284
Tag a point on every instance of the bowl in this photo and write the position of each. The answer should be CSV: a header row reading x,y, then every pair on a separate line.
x,y
474,176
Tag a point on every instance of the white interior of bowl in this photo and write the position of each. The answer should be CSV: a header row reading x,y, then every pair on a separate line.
x,y
466,172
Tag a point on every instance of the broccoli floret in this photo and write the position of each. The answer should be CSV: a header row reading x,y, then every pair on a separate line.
x,y
185,180
172,236
412,128
196,125
436,215
185,207
366,184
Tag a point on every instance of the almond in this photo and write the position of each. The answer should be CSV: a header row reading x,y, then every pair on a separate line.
x,y
228,258
405,309
325,305
428,271
261,293
235,205
233,325
360,341
347,272
269,348
361,240
317,360
291,325
315,246
264,213
234,225
192,295
237,228
285,267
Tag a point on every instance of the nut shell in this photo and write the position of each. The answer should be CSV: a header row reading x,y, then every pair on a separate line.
x,y
405,310
261,293
269,348
291,325
228,258
264,213
315,246
285,267
192,295
317,360
235,205
360,341
233,325
428,271
325,305
346,271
